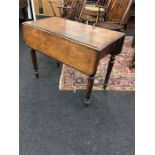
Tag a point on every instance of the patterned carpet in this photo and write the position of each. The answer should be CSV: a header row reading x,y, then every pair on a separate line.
x,y
122,77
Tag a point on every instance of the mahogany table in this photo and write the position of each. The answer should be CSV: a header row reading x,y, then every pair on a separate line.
x,y
74,44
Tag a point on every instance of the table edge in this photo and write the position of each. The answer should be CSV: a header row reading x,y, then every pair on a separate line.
x,y
70,39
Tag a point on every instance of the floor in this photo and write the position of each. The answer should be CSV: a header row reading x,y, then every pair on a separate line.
x,y
54,122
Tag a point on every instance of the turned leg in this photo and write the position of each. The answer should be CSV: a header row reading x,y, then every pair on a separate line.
x,y
34,62
110,66
89,89
117,50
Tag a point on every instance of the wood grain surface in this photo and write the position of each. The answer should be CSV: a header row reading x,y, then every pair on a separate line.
x,y
93,37
75,44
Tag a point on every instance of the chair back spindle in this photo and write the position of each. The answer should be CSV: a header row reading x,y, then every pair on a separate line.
x,y
70,9
103,3
75,11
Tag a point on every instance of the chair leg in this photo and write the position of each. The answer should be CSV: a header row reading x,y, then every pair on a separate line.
x,y
34,62
110,66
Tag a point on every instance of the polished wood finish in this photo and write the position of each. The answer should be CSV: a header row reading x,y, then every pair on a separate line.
x,y
50,45
80,48
56,31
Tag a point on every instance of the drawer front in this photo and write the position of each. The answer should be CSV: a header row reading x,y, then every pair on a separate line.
x,y
70,53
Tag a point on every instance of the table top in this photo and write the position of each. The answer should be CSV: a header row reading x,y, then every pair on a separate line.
x,y
87,35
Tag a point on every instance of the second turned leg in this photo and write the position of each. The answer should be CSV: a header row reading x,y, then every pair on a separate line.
x,y
110,66
34,62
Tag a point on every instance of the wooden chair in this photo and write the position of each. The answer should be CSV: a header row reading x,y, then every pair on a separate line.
x,y
63,8
104,3
76,10
95,12
70,9
116,17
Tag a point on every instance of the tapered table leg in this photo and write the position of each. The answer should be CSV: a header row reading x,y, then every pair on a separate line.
x,y
110,66
34,62
89,89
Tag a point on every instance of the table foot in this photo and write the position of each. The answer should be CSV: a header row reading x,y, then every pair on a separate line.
x,y
36,74
34,62
87,102
105,86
